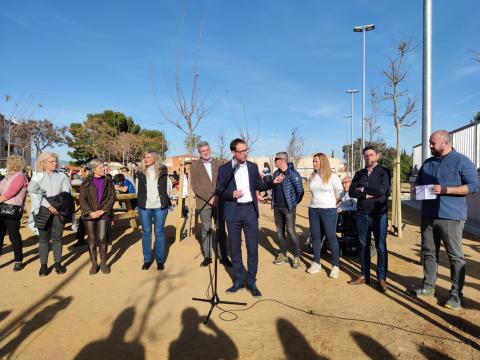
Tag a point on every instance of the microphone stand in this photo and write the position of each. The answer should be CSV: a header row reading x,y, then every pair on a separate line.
x,y
215,300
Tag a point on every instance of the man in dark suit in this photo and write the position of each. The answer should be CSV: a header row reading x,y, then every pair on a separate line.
x,y
237,183
203,172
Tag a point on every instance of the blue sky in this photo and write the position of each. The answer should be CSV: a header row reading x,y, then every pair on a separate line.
x,y
285,63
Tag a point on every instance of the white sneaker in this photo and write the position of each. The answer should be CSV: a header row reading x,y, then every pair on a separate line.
x,y
334,273
314,268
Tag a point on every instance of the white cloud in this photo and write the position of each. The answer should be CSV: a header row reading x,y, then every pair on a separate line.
x,y
467,70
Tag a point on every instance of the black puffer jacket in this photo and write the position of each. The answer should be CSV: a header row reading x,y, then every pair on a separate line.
x,y
64,204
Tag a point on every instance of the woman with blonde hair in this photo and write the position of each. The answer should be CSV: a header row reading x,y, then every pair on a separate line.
x,y
325,187
13,191
48,182
153,187
97,197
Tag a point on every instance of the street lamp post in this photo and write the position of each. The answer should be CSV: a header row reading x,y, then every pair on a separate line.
x,y
352,162
348,152
363,29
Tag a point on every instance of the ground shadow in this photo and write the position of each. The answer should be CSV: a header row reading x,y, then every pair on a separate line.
x,y
170,233
121,246
193,343
264,241
29,241
295,346
453,322
372,348
115,346
4,314
40,319
433,354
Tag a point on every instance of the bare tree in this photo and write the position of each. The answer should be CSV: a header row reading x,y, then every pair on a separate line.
x,y
403,109
191,108
129,147
222,145
22,107
295,148
247,133
371,124
477,55
40,133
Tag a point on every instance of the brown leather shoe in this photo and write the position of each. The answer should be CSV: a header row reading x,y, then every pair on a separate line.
x,y
382,286
359,281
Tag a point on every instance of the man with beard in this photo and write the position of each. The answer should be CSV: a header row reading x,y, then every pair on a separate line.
x,y
370,186
237,183
453,177
204,179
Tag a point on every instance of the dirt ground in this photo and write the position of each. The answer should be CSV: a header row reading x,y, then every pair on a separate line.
x,y
134,314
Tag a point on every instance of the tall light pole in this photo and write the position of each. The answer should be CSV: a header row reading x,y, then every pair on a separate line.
x,y
348,152
363,29
427,79
352,162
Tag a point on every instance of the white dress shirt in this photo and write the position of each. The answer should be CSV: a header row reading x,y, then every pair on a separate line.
x,y
208,167
243,182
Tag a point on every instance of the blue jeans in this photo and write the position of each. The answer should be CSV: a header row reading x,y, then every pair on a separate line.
x,y
156,217
366,224
324,222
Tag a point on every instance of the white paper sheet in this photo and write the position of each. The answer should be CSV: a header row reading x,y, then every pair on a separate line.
x,y
424,192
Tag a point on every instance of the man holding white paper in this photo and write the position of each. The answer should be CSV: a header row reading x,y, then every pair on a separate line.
x,y
451,176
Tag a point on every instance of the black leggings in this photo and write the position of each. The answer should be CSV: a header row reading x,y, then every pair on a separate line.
x,y
12,226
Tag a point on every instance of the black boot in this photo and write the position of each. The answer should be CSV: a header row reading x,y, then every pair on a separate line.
x,y
59,268
43,270
103,259
93,258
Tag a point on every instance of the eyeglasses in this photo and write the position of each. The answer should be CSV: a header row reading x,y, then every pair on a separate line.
x,y
241,151
51,161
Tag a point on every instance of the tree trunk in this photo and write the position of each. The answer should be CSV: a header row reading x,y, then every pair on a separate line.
x,y
398,186
393,224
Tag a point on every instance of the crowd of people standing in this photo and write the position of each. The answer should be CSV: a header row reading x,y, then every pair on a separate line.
x,y
227,193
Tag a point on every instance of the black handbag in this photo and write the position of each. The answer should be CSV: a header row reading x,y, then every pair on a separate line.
x,y
10,211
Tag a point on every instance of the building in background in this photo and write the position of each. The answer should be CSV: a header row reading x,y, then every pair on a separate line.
x,y
466,140
15,149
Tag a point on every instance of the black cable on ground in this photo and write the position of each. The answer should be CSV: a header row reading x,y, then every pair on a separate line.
x,y
235,316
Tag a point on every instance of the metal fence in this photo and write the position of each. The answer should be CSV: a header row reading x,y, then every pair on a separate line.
x,y
466,140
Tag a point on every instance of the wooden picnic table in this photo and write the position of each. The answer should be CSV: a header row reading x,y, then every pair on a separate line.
x,y
119,213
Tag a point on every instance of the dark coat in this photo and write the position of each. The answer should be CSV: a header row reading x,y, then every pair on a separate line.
x,y
42,218
292,187
377,185
226,185
88,198
64,204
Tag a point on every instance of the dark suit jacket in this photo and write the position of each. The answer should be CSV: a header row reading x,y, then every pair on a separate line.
x,y
229,202
202,186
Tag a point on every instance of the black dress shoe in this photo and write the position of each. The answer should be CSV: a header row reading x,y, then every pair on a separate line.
x,y
59,268
254,291
206,262
160,266
146,265
17,266
226,262
43,270
235,288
